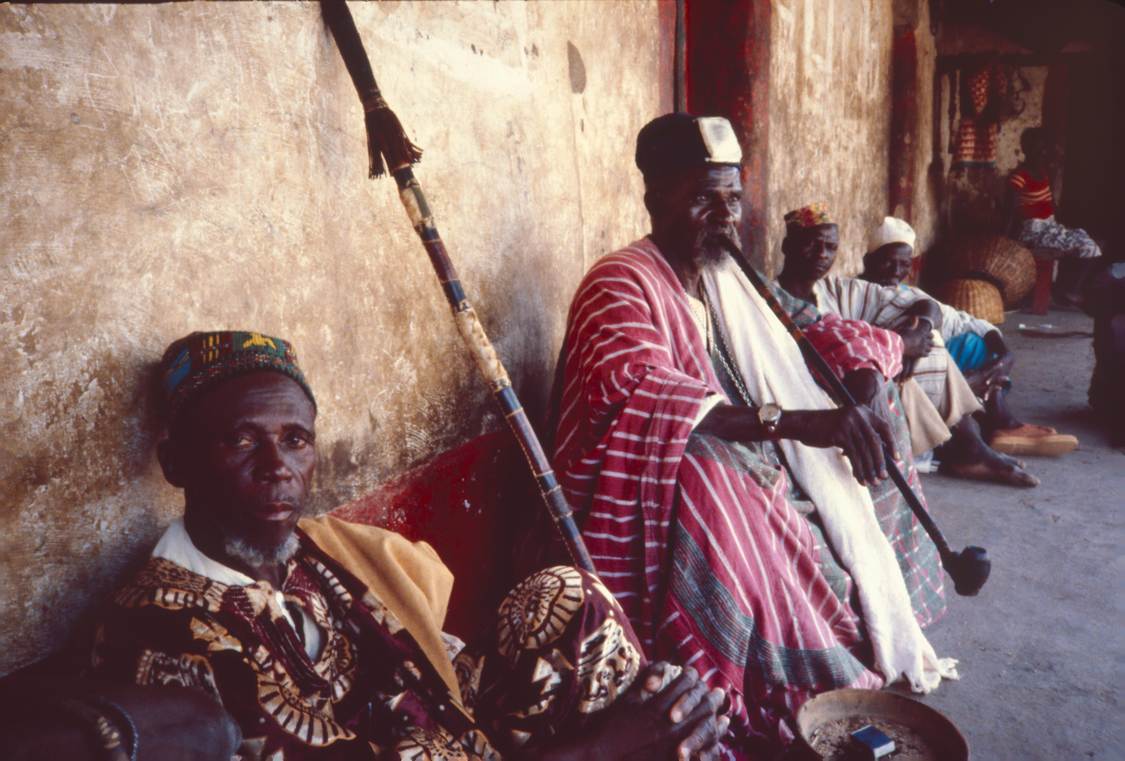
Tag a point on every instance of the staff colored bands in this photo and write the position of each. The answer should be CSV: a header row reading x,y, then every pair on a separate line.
x,y
491,367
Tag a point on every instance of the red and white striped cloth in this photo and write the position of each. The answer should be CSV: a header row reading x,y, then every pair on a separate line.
x,y
1033,194
712,563
852,344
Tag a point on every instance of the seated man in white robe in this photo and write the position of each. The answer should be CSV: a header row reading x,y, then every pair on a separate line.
x,y
976,346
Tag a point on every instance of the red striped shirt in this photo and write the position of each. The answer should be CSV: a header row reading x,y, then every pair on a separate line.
x,y
1033,195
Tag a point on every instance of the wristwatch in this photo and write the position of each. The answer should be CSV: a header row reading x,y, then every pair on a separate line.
x,y
769,415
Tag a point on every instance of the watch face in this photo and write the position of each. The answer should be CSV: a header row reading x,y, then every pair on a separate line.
x,y
770,413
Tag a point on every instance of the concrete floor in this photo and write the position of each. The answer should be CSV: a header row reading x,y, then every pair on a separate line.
x,y
1042,647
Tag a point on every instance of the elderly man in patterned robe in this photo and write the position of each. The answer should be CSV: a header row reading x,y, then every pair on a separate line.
x,y
323,639
737,514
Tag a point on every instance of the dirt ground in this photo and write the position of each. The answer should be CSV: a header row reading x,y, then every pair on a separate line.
x,y
1042,647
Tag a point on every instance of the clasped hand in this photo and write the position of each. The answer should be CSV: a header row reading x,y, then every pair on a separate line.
x,y
917,340
679,721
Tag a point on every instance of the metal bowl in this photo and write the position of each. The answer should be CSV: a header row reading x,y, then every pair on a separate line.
x,y
943,739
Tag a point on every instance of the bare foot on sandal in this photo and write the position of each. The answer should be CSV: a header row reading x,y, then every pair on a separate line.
x,y
990,469
1012,460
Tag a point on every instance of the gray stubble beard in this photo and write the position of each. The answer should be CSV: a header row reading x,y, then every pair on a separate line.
x,y
255,557
710,251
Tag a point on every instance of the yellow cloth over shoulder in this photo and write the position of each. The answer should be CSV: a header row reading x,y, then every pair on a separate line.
x,y
408,577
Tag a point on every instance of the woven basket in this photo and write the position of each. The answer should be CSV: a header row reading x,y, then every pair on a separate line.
x,y
998,260
977,297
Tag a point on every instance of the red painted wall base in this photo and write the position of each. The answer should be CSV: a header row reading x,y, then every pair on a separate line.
x,y
477,506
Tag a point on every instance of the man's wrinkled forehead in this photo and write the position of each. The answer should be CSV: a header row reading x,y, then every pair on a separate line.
x,y
892,251
254,399
698,179
708,177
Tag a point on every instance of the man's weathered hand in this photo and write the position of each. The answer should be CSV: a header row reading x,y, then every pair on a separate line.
x,y
858,431
917,341
996,371
686,702
989,375
678,721
1000,368
867,387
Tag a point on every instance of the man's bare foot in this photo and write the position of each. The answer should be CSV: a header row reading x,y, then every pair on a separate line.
x,y
1012,460
990,469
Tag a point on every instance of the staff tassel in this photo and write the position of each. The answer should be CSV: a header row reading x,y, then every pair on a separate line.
x,y
387,141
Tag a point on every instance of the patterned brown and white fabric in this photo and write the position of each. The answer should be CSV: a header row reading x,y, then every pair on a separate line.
x,y
563,650
367,692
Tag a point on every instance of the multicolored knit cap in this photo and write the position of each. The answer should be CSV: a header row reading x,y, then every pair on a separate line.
x,y
808,216
197,362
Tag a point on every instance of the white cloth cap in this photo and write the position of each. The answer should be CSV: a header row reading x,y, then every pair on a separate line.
x,y
893,230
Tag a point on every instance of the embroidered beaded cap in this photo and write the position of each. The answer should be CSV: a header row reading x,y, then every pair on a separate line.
x,y
808,216
196,362
893,230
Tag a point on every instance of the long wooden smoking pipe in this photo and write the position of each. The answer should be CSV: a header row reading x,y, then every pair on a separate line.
x,y
968,568
386,140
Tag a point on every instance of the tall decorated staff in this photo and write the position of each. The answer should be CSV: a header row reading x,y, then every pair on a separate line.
x,y
387,142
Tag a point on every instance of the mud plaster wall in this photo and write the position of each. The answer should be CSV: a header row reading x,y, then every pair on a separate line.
x,y
926,187
176,167
1008,152
829,117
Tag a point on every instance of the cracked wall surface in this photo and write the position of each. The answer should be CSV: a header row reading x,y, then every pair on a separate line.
x,y
830,100
169,168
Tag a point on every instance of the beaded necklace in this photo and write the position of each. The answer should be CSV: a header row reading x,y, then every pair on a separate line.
x,y
701,315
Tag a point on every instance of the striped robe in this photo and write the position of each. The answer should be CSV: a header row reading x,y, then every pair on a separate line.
x,y
699,539
885,306
954,322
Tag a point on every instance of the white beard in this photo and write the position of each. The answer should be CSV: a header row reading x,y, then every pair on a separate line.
x,y
257,558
